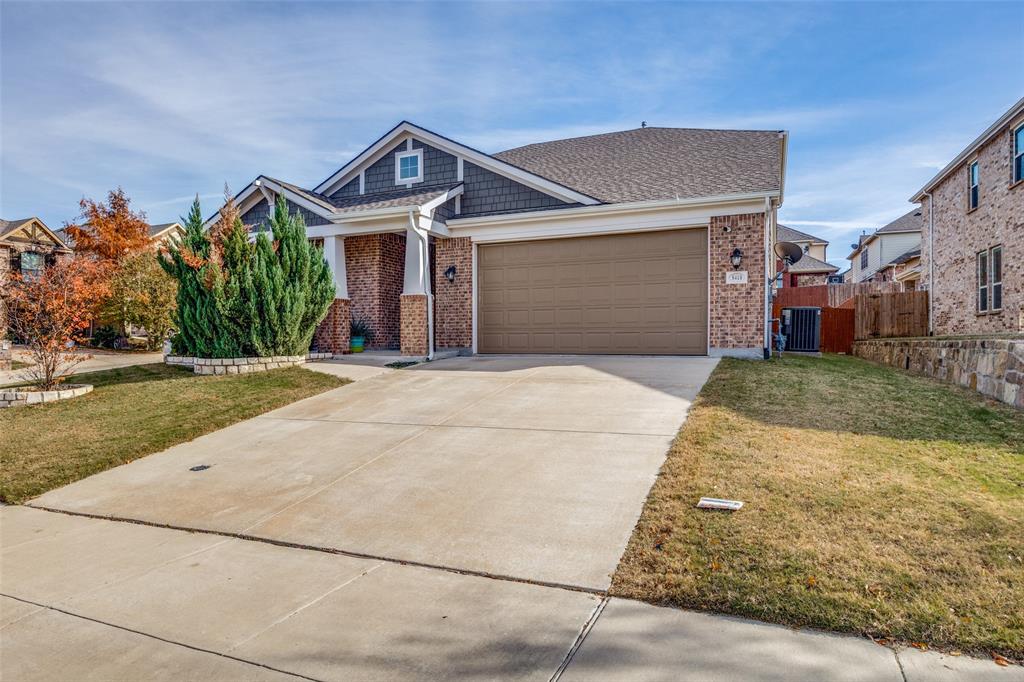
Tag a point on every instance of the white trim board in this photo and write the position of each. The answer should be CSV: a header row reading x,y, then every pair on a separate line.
x,y
406,130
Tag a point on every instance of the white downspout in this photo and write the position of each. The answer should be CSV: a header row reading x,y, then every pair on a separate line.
x,y
768,221
425,281
931,262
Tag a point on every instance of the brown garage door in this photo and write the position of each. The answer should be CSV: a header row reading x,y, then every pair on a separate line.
x,y
628,293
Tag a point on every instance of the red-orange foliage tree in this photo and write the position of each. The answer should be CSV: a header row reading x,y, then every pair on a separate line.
x,y
51,310
109,230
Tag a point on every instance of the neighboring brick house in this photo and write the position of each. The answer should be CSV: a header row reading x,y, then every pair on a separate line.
x,y
972,254
26,246
616,243
813,268
874,256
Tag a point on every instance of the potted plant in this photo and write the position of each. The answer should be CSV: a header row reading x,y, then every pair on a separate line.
x,y
359,331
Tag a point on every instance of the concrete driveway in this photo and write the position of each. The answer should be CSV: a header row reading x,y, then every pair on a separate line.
x,y
534,468
458,520
98,360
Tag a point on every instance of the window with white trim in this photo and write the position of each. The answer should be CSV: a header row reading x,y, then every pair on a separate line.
x,y
982,270
995,266
973,179
1018,153
409,167
864,259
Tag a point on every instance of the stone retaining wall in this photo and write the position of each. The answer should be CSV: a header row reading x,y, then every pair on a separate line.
x,y
208,366
993,367
18,397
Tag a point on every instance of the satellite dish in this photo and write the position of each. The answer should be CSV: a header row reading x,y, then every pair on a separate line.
x,y
789,252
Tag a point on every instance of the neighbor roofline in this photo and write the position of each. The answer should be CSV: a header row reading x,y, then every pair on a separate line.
x,y
875,235
983,139
53,234
521,175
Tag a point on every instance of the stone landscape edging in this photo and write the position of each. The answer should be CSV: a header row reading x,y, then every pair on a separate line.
x,y
247,365
20,397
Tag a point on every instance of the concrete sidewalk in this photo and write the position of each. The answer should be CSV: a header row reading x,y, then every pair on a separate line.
x,y
91,599
99,360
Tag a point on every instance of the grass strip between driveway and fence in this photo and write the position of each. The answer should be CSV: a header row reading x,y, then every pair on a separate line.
x,y
133,412
875,502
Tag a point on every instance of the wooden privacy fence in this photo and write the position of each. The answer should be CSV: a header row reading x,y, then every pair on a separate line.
x,y
831,295
837,325
887,315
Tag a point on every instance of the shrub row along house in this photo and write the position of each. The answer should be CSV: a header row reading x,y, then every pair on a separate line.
x,y
652,240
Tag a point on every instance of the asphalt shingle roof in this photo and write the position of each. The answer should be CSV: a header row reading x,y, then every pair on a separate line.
x,y
658,163
909,222
811,264
396,198
788,234
8,226
909,255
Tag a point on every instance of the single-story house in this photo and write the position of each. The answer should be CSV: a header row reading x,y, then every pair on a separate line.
x,y
875,253
653,240
972,253
813,267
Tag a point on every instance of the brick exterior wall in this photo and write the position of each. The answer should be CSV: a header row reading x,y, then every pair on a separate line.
x,y
414,324
375,265
737,310
959,235
332,335
453,301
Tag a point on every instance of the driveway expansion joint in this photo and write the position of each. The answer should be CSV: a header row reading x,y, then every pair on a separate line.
x,y
332,550
158,638
442,425
584,631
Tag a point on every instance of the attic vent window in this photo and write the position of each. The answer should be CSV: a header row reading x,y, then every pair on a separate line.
x,y
409,167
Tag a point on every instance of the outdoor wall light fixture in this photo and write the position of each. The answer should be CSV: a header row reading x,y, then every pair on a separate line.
x,y
449,274
736,258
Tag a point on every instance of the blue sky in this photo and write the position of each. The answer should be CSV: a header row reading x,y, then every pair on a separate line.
x,y
170,100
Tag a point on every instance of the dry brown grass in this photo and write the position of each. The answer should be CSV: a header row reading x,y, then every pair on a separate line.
x,y
131,413
876,503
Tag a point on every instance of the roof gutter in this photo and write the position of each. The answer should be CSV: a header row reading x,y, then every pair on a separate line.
x,y
931,263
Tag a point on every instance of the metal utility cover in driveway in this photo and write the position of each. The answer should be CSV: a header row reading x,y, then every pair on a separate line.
x,y
534,468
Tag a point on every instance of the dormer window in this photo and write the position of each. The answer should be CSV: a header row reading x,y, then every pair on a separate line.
x,y
409,167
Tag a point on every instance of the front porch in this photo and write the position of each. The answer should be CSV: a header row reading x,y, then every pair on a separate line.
x,y
396,282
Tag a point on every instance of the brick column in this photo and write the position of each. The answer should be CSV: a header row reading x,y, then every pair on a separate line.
x,y
737,310
333,333
414,324
453,301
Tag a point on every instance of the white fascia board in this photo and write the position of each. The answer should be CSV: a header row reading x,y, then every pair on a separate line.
x,y
983,139
315,206
784,143
583,222
405,129
725,200
437,201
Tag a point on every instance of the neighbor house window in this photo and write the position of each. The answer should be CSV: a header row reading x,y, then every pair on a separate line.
x,y
972,185
32,264
409,167
864,259
1018,153
995,267
983,281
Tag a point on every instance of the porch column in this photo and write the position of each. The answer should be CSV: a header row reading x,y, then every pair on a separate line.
x,y
415,299
333,333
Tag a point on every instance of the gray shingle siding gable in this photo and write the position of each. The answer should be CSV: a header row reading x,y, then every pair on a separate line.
x,y
349,189
439,168
260,214
488,193
445,210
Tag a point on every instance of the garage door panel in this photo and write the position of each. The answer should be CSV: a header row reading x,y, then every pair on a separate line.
x,y
639,293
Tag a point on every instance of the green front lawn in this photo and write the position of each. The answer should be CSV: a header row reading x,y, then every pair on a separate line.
x,y
18,364
133,412
876,502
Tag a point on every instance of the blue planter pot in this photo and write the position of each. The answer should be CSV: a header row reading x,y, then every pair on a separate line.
x,y
356,344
